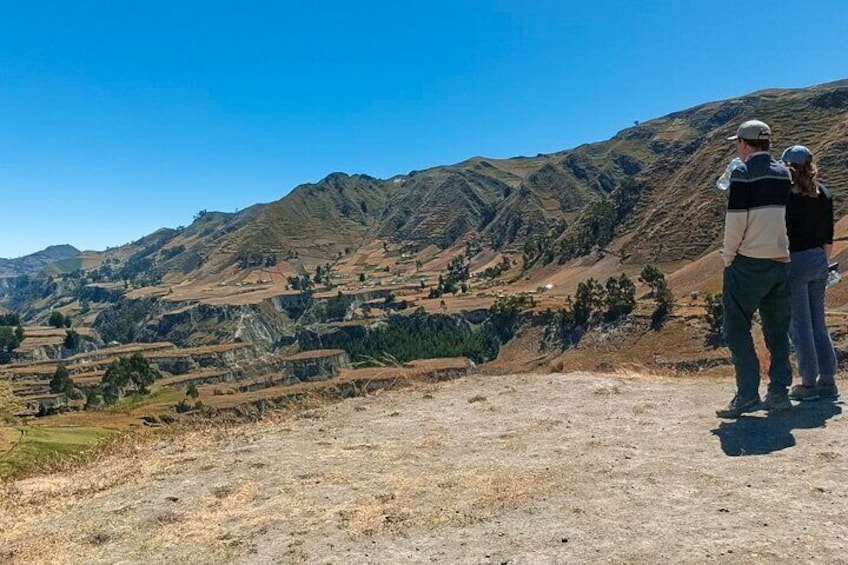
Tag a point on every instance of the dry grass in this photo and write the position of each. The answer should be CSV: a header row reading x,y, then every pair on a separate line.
x,y
678,349
202,350
125,463
10,404
442,497
397,503
314,354
194,375
9,436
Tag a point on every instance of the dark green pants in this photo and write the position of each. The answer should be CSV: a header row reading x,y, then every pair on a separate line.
x,y
751,285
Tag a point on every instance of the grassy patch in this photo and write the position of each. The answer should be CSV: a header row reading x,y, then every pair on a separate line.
x,y
68,265
136,402
45,447
607,390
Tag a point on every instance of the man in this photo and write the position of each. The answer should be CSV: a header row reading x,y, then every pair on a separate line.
x,y
756,255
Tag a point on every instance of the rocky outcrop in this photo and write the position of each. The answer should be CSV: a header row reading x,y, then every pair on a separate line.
x,y
294,305
45,404
6,284
316,365
239,360
176,365
194,324
56,352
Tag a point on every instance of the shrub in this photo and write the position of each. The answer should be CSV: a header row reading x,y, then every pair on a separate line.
x,y
497,270
449,283
563,327
419,336
588,299
183,406
57,319
715,319
655,279
72,340
336,307
9,341
503,315
134,370
652,277
302,283
620,298
665,304
592,303
9,319
61,381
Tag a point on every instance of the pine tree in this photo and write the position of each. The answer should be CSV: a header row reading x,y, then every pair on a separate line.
x,y
72,340
135,370
57,320
620,299
61,381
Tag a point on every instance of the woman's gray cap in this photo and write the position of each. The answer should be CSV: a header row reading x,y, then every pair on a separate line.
x,y
752,130
797,155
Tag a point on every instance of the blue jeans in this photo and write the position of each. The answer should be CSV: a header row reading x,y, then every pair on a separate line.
x,y
807,282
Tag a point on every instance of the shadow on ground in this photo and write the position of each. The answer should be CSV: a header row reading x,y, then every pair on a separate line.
x,y
760,435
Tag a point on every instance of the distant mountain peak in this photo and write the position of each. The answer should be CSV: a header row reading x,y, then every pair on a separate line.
x,y
64,248
35,262
60,251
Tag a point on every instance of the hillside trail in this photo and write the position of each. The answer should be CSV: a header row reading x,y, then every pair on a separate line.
x,y
519,469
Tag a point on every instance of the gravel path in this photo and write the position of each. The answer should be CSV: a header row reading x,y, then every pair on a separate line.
x,y
542,469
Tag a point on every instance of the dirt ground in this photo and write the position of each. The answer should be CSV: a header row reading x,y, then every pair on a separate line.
x,y
560,468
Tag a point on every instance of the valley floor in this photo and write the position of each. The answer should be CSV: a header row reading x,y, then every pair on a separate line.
x,y
559,468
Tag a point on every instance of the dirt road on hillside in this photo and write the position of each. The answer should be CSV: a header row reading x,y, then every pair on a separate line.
x,y
519,470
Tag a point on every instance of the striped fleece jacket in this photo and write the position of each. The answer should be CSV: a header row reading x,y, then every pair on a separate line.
x,y
755,224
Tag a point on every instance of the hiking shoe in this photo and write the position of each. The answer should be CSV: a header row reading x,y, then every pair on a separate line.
x,y
778,401
804,392
739,406
828,392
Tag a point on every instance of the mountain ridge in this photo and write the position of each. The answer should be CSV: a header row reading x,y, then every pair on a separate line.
x,y
631,194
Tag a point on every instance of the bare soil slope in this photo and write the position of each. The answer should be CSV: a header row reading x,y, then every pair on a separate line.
x,y
562,468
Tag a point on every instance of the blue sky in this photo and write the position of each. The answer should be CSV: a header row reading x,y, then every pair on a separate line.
x,y
117,118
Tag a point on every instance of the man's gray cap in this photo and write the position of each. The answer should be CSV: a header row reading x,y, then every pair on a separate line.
x,y
797,155
752,130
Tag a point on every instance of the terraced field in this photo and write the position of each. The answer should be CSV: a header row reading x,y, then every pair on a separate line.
x,y
232,380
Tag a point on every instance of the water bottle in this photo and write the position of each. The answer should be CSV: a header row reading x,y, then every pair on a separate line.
x,y
723,182
833,275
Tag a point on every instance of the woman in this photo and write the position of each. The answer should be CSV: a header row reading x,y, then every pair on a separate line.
x,y
809,223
